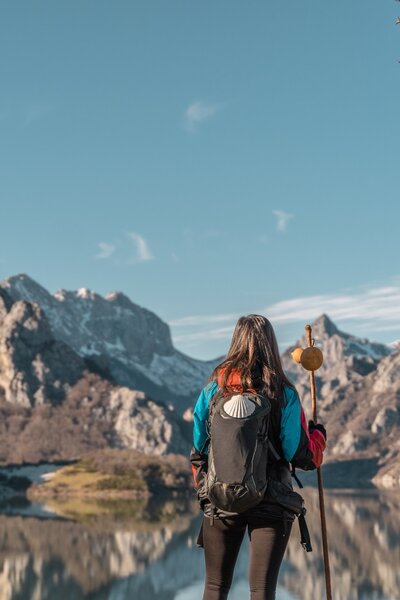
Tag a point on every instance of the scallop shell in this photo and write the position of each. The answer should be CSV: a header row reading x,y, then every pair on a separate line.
x,y
239,406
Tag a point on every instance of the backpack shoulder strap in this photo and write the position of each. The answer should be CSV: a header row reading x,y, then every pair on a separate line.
x,y
211,407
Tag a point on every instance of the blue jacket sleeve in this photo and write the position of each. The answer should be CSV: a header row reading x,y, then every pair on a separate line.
x,y
200,416
199,454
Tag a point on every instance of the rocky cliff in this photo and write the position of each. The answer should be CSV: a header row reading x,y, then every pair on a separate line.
x,y
53,407
77,360
358,391
129,342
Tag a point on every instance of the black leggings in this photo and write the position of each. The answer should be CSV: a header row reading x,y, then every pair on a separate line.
x,y
222,542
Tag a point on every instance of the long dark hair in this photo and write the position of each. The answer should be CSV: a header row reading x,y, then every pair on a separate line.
x,y
254,356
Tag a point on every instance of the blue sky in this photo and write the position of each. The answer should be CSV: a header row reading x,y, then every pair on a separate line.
x,y
208,159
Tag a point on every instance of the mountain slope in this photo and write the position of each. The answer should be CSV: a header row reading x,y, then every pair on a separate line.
x,y
51,346
358,398
33,365
346,358
53,408
114,333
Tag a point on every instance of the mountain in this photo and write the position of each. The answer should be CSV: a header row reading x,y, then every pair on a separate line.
x,y
347,358
395,344
33,365
131,343
72,365
53,407
358,398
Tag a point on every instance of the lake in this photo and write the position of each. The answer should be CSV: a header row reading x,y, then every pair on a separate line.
x,y
146,551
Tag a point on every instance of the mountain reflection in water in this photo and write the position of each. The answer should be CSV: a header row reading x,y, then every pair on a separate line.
x,y
126,550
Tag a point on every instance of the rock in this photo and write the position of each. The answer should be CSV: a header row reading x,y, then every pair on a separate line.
x,y
386,418
188,415
142,424
34,367
72,365
346,444
388,373
53,408
130,343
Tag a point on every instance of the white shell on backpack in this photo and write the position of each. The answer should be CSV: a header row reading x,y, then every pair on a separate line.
x,y
239,406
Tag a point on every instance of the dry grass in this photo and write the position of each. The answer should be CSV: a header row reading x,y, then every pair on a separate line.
x,y
117,473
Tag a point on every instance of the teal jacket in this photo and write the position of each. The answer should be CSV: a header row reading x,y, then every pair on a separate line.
x,y
298,446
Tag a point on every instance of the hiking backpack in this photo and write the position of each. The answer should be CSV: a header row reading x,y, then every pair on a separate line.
x,y
238,445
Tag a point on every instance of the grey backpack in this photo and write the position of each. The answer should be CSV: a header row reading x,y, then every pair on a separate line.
x,y
238,444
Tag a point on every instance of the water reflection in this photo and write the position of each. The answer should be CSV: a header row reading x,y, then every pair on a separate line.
x,y
126,550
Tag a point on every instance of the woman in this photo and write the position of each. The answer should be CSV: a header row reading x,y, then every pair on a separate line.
x,y
253,363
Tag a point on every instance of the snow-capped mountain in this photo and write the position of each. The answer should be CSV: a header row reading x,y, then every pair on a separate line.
x,y
129,341
395,344
358,392
346,358
52,407
49,343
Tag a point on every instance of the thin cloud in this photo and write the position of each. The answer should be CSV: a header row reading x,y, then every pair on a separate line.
x,y
143,252
222,333
105,250
197,113
375,309
200,320
282,220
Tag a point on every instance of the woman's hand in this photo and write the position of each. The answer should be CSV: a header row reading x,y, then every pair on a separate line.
x,y
312,426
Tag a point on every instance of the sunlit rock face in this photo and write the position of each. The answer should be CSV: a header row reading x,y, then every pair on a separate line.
x,y
358,397
119,337
347,360
142,424
50,343
53,408
34,367
93,415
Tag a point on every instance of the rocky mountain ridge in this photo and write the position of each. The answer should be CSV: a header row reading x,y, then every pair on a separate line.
x,y
71,366
129,342
54,407
358,392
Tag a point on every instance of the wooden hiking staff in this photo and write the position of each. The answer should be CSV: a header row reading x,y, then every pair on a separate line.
x,y
311,359
310,343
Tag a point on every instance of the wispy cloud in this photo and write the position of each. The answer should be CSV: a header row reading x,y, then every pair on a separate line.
x,y
198,112
371,309
282,220
143,252
203,320
105,250
221,333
